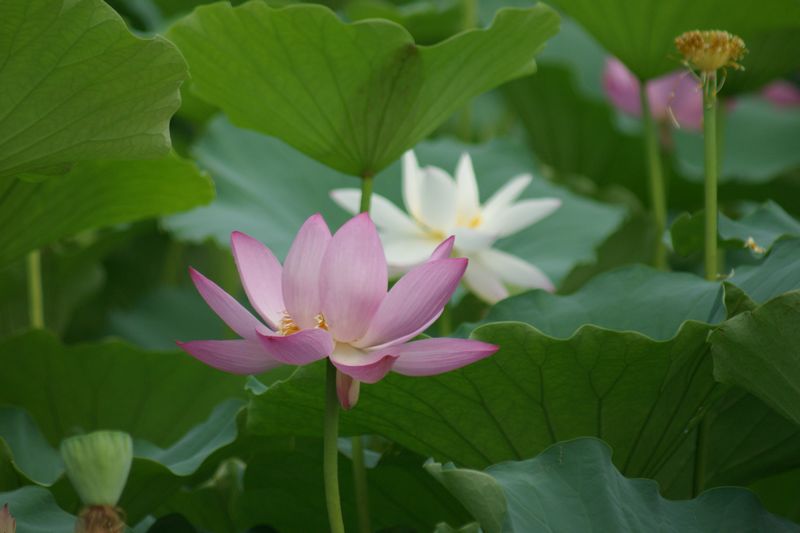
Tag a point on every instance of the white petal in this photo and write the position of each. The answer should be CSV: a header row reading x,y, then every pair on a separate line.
x,y
483,282
506,195
468,197
384,213
412,189
471,240
519,216
515,271
404,251
438,200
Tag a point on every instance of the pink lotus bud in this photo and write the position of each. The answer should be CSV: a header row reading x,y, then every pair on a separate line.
x,y
676,95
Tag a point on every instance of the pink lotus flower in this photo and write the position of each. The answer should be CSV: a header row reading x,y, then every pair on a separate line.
x,y
330,300
678,92
782,93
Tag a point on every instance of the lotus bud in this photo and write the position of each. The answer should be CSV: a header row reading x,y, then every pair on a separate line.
x,y
7,522
98,464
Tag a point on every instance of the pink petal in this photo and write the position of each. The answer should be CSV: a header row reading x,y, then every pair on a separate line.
x,y
368,367
347,389
354,278
677,96
435,356
622,87
261,276
301,348
234,356
416,299
301,271
229,310
444,250
782,93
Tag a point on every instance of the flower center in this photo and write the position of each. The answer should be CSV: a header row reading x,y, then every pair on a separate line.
x,y
708,51
289,326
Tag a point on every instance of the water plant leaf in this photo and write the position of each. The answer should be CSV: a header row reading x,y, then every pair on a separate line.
x,y
36,511
94,194
353,96
77,85
574,486
641,33
760,351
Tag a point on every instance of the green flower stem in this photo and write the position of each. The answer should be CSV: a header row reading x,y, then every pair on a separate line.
x,y
366,193
360,480
35,294
658,195
359,471
330,463
712,171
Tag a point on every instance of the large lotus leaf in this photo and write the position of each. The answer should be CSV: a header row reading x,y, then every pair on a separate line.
x,y
95,194
428,21
282,489
765,225
111,384
777,273
155,473
747,440
77,85
258,178
641,32
353,96
625,359
574,486
759,143
759,350
770,55
36,511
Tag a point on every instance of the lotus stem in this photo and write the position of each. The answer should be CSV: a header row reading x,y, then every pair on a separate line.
x,y
35,293
712,174
658,196
330,464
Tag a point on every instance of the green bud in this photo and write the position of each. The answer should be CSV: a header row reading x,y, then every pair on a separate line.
x,y
98,464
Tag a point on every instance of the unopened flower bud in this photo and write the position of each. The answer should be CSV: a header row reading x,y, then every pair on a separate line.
x,y
98,464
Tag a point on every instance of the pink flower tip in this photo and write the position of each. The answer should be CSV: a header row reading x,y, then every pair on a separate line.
x,y
7,522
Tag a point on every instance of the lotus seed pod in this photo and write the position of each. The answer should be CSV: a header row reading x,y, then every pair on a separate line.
x,y
708,51
98,464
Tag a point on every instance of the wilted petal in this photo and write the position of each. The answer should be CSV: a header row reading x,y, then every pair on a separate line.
x,y
301,348
347,389
468,197
416,299
484,283
368,367
435,356
505,196
301,272
519,216
515,271
260,272
354,278
412,184
385,214
438,199
229,310
234,356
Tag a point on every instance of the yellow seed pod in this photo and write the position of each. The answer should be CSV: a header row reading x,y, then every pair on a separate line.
x,y
708,51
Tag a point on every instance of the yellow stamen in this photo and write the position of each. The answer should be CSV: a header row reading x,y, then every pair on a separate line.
x,y
288,325
751,244
320,320
710,50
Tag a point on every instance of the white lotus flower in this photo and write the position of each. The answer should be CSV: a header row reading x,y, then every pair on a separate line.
x,y
439,206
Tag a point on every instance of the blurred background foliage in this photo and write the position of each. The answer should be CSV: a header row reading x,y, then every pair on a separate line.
x,y
123,274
